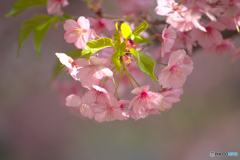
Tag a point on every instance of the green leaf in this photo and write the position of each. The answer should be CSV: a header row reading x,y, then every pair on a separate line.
x,y
116,37
40,32
21,5
65,17
134,52
59,67
94,46
115,60
122,48
138,39
142,27
146,64
29,26
126,31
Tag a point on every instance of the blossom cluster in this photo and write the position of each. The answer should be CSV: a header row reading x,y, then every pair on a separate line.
x,y
92,73
203,21
116,49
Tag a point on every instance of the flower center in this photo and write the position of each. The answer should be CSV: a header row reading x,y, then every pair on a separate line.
x,y
144,95
175,69
79,31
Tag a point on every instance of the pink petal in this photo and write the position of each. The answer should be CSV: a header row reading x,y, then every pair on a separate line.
x,y
80,43
163,79
139,90
82,62
101,117
176,57
89,81
70,36
97,61
87,111
89,97
185,69
217,25
93,21
64,3
70,24
217,36
177,80
83,23
73,101
53,7
108,24
64,59
103,72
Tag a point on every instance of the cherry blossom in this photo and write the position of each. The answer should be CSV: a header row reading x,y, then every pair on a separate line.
x,y
167,7
212,36
99,95
75,101
179,66
168,37
100,24
93,68
221,49
144,101
78,32
71,64
110,112
54,6
184,39
170,96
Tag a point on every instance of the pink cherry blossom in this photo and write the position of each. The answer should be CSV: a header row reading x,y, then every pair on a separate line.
x,y
54,6
109,112
221,49
228,22
231,8
166,7
101,23
124,108
186,23
170,96
184,40
99,95
75,101
78,32
93,68
168,37
179,66
69,63
212,36
144,101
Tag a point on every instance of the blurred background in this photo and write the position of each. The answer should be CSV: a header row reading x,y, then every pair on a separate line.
x,y
36,125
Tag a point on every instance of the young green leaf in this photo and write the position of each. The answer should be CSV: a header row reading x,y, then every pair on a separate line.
x,y
29,26
94,46
40,32
115,60
146,64
138,39
126,31
142,27
134,52
122,48
21,5
116,37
